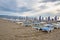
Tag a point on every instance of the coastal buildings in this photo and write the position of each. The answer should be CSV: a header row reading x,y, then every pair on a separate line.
x,y
26,18
48,18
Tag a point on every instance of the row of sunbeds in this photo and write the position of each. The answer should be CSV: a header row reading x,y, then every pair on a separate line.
x,y
47,27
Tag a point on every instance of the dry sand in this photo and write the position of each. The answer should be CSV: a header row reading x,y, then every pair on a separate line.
x,y
12,31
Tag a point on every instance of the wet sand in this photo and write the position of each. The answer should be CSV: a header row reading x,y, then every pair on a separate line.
x,y
13,31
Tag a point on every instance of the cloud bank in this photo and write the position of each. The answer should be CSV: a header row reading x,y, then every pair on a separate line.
x,y
30,7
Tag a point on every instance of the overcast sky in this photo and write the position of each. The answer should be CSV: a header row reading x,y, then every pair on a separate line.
x,y
30,7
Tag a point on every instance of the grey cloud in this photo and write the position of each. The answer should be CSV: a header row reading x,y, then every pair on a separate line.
x,y
49,0
47,14
24,9
43,7
11,5
7,5
57,3
58,12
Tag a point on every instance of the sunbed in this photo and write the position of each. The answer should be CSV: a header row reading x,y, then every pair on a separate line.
x,y
48,28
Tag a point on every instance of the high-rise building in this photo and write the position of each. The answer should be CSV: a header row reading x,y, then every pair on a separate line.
x,y
26,17
49,18
55,18
40,18
45,18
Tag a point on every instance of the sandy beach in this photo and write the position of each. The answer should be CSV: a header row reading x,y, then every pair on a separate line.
x,y
13,31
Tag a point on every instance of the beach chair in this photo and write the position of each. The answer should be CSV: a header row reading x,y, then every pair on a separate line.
x,y
48,28
27,24
36,26
56,25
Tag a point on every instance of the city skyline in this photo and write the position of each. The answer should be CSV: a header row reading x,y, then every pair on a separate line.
x,y
40,18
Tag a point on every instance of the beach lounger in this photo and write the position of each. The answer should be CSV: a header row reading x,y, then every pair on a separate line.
x,y
56,25
48,28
